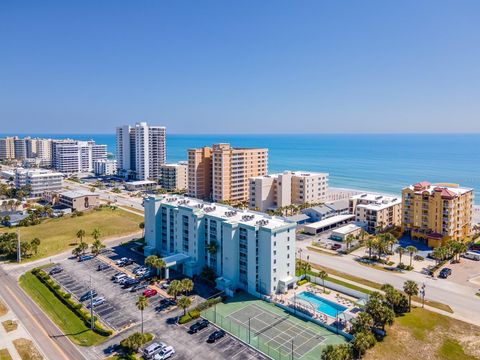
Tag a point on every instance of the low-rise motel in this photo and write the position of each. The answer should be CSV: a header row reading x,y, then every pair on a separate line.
x,y
246,250
436,213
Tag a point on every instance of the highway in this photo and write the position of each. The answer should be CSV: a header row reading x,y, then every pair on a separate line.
x,y
460,298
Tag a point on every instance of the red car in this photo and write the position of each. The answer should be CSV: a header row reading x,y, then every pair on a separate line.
x,y
149,292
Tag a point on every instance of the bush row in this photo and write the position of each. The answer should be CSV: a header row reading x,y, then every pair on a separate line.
x,y
189,316
195,313
301,282
66,299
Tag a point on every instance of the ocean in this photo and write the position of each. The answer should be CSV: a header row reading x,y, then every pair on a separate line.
x,y
374,162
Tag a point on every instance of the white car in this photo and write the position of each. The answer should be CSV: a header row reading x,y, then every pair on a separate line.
x,y
165,353
97,301
153,349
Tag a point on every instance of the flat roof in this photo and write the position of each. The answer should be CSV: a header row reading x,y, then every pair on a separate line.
x,y
226,213
77,193
141,182
347,229
330,221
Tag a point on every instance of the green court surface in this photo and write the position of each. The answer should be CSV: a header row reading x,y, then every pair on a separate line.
x,y
270,329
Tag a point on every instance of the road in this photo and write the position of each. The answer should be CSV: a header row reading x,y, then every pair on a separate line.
x,y
462,299
48,336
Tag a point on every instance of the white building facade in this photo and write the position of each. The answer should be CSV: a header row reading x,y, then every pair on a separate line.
x,y
290,187
105,167
39,180
246,250
73,156
141,150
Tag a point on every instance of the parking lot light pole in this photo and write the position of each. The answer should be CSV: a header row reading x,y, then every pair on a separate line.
x,y
92,320
249,329
422,292
292,348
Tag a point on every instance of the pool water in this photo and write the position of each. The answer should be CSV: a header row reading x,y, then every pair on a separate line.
x,y
323,305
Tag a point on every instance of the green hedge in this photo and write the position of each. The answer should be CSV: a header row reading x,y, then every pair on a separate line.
x,y
69,302
301,282
189,316
208,303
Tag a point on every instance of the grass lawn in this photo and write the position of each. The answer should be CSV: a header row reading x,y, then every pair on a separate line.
x,y
9,325
60,314
3,308
5,355
27,350
424,335
58,235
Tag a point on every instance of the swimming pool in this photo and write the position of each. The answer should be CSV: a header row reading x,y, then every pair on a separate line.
x,y
323,305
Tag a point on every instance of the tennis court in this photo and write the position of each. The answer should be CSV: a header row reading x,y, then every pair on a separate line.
x,y
272,330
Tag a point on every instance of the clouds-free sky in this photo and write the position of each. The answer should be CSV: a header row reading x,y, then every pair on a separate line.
x,y
247,66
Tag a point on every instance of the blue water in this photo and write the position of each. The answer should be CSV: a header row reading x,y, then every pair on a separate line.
x,y
383,163
323,305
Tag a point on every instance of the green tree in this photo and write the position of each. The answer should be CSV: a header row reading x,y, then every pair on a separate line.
x,y
142,304
381,314
184,302
411,289
349,240
96,234
25,248
83,247
361,342
76,251
412,250
35,243
337,352
400,251
175,288
370,244
97,246
81,234
159,265
362,323
133,342
187,285
323,275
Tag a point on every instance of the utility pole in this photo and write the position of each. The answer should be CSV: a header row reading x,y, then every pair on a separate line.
x,y
422,292
249,329
19,250
292,348
92,320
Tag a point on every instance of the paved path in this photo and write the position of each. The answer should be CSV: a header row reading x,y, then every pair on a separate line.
x,y
461,298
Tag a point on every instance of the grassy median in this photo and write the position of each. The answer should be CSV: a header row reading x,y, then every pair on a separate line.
x,y
423,334
58,235
70,324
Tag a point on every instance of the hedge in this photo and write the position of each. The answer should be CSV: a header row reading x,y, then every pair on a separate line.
x,y
301,282
208,303
189,316
66,299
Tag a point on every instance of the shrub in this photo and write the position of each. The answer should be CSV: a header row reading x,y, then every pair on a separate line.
x,y
67,296
418,258
189,316
301,282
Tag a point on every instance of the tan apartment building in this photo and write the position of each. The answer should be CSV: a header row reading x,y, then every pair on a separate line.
x,y
290,187
375,211
221,173
436,213
7,148
174,176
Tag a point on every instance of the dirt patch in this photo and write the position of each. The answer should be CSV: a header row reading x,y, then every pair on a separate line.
x,y
27,350
3,308
9,325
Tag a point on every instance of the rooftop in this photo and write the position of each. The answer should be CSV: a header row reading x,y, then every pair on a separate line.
x,y
293,173
330,221
447,190
32,172
140,182
224,212
77,193
347,229
371,201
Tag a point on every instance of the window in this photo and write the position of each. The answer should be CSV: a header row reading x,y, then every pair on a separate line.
x,y
274,243
274,270
274,261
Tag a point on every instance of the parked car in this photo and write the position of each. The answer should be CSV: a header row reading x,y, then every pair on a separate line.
x,y
165,285
130,282
151,350
87,295
472,255
103,266
199,325
149,292
124,280
56,270
336,246
215,336
165,353
85,257
97,301
138,287
118,277
445,273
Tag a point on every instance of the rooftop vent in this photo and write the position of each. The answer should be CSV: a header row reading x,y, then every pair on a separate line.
x,y
230,213
209,209
262,222
248,217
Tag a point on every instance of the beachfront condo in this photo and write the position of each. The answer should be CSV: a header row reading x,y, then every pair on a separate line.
x,y
221,173
38,180
7,148
290,187
246,250
141,151
376,212
174,176
74,156
436,213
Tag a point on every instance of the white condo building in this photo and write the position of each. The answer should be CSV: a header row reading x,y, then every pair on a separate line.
x,y
290,187
247,250
141,150
73,156
105,167
39,180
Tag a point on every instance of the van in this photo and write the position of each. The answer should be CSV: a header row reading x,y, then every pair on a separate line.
x,y
472,255
118,277
153,349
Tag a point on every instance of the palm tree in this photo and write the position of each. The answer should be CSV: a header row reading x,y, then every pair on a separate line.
x,y
151,260
96,234
80,235
142,304
370,244
97,246
323,275
411,250
76,251
349,240
337,352
362,342
83,247
411,289
400,251
175,288
159,265
186,285
35,243
184,302
363,235
390,240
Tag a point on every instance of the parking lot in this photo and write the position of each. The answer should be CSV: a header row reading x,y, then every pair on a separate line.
x,y
119,311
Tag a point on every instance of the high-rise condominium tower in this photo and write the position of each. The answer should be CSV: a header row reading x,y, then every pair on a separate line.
x,y
141,150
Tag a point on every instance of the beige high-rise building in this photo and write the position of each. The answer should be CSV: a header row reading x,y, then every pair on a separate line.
x,y
174,176
376,212
221,173
7,148
437,213
290,187
200,173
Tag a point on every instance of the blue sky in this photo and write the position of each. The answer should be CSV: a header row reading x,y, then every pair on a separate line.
x,y
240,66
